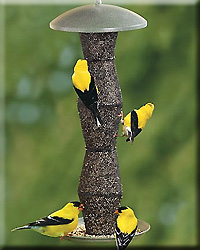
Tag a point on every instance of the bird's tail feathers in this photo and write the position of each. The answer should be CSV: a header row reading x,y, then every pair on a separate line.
x,y
20,228
96,114
98,122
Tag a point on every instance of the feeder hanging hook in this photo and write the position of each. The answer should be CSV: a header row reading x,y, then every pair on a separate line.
x,y
98,2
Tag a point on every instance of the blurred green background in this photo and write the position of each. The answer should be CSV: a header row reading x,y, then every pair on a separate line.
x,y
44,142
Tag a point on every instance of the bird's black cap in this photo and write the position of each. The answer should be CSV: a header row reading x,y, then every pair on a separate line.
x,y
121,208
76,203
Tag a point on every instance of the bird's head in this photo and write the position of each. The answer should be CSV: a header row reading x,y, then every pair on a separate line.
x,y
78,205
75,206
120,210
125,212
149,108
81,65
150,105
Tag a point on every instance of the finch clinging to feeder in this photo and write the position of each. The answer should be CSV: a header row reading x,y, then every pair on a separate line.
x,y
126,226
85,88
59,223
136,120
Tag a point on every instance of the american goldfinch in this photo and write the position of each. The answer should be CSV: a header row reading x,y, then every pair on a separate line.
x,y
136,120
126,226
59,223
85,88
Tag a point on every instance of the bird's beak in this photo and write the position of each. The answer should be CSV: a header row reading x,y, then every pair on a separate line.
x,y
116,212
81,207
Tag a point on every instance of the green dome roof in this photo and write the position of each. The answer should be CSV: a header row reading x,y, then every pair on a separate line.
x,y
98,18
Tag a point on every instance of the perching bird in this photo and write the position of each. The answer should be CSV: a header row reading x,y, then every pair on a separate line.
x,y
126,226
85,88
136,120
59,223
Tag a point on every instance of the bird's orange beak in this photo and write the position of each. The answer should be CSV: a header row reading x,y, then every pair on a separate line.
x,y
116,212
81,207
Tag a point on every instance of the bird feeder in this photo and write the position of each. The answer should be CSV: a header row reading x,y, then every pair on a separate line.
x,y
100,186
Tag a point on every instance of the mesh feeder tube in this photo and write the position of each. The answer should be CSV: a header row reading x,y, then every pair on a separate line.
x,y
100,186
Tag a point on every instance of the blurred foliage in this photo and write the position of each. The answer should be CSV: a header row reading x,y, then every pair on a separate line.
x,y
44,143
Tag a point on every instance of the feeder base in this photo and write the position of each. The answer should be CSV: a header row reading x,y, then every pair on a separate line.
x,y
79,234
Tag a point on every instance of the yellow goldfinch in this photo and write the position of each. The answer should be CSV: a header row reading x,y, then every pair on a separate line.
x,y
85,88
59,223
136,120
126,226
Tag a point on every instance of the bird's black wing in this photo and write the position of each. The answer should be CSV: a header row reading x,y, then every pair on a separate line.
x,y
93,91
88,97
123,239
50,221
134,124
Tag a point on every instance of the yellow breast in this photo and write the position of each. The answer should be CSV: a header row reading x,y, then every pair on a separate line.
x,y
127,124
81,80
127,120
127,222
